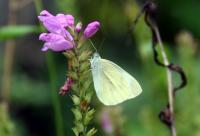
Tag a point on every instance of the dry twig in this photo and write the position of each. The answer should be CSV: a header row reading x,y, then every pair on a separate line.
x,y
166,115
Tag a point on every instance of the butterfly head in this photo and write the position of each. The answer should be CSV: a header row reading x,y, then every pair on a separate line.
x,y
95,58
96,55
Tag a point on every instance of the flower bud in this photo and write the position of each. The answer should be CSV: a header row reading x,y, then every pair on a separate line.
x,y
91,29
78,27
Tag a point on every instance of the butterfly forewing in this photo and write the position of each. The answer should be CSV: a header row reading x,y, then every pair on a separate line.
x,y
113,85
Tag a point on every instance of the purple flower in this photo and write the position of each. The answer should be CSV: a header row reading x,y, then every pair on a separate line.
x,y
59,39
66,87
91,29
55,42
106,122
61,19
54,24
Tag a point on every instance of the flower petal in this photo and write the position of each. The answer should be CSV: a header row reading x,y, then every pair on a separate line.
x,y
62,20
61,45
45,47
55,42
43,36
44,15
53,26
49,37
68,36
70,20
67,86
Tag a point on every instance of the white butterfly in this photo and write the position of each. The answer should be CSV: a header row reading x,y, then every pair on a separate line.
x,y
112,84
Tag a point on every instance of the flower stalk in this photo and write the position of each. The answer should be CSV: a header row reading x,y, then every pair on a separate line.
x,y
79,66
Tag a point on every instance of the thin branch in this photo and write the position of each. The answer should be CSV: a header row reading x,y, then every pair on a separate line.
x,y
169,81
8,55
166,115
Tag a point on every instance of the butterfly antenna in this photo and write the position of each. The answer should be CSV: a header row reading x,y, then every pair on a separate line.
x,y
101,44
92,45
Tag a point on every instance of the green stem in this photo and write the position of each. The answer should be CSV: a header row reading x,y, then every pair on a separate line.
x,y
83,113
54,94
8,56
52,75
81,93
38,8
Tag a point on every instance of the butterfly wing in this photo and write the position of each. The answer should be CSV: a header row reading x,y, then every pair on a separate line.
x,y
114,85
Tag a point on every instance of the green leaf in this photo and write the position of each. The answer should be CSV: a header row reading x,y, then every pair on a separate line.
x,y
75,87
75,63
69,54
79,127
84,66
89,116
77,114
86,85
73,75
88,96
91,132
9,32
84,56
75,131
76,100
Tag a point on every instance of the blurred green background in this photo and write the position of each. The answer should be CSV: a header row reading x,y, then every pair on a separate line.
x,y
30,79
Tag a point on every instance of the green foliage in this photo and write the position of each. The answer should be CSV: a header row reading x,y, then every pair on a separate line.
x,y
67,6
88,116
187,102
75,99
7,127
10,32
25,88
91,132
